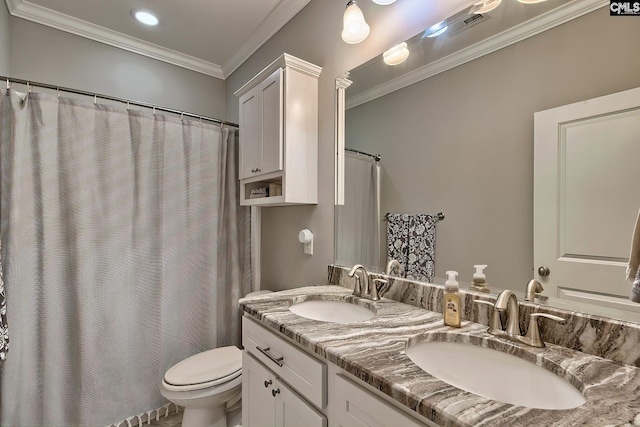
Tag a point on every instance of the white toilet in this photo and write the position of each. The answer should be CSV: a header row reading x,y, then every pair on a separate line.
x,y
208,385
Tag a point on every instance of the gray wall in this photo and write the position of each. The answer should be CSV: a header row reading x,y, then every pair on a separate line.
x,y
43,54
4,39
314,35
461,142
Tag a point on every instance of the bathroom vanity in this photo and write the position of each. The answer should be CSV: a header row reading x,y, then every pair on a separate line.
x,y
301,371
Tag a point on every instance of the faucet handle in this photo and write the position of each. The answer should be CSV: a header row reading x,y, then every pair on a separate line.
x,y
379,287
495,324
533,332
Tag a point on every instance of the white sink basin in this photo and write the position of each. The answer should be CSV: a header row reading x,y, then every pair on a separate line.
x,y
495,375
335,311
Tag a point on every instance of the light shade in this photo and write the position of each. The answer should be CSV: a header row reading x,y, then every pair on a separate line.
x,y
396,55
384,2
485,6
355,28
436,30
144,16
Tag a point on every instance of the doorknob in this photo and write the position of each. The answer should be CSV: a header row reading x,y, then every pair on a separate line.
x,y
543,271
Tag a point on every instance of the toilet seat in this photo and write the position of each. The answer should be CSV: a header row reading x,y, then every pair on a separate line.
x,y
203,370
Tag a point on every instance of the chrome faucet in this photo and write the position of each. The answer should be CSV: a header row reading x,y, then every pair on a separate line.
x,y
363,286
392,265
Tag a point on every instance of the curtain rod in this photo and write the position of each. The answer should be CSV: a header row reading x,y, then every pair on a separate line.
x,y
376,157
30,83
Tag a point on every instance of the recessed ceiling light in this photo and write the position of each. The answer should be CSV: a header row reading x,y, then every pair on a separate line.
x,y
144,16
436,30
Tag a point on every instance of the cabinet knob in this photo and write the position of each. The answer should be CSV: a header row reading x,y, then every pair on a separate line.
x,y
275,392
544,271
267,383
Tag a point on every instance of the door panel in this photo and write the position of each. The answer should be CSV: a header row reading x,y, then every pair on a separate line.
x,y
586,199
293,411
258,404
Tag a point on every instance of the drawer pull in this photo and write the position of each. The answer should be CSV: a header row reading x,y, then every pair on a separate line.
x,y
276,360
267,383
275,392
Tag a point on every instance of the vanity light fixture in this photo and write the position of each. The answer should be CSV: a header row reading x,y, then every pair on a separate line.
x,y
396,55
355,27
144,16
384,2
485,6
436,30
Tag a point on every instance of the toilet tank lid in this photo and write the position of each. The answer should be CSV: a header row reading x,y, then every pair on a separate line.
x,y
207,366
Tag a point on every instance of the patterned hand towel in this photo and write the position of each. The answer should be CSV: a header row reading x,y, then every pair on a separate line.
x,y
411,241
4,329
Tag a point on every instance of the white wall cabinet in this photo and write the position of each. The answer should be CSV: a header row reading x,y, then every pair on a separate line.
x,y
279,134
261,128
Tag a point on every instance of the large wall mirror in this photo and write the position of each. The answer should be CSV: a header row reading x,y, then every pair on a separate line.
x,y
454,128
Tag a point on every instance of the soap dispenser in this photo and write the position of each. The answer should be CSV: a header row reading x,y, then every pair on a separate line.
x,y
479,279
451,303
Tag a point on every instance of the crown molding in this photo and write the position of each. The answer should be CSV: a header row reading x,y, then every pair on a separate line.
x,y
284,61
506,38
284,12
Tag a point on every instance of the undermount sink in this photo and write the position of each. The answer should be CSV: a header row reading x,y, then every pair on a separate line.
x,y
493,374
325,309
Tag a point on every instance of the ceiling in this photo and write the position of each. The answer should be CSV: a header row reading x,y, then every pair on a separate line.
x,y
509,23
212,37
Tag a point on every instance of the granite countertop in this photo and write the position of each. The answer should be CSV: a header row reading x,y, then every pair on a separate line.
x,y
374,351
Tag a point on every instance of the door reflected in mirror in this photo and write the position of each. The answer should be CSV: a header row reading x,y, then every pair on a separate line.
x,y
460,138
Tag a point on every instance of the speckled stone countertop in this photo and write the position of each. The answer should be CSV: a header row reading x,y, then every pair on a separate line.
x,y
374,352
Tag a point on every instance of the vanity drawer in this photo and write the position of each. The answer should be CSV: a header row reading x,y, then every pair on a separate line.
x,y
294,366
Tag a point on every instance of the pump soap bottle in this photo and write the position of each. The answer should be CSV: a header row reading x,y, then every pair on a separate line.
x,y
452,308
479,282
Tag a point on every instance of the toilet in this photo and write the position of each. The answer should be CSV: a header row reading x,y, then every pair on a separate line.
x,y
208,385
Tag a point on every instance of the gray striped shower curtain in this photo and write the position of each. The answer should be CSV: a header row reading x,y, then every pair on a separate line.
x,y
124,251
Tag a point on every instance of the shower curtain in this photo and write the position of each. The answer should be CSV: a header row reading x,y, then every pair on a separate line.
x,y
125,251
358,220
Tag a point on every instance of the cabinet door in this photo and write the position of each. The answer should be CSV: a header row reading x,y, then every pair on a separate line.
x,y
293,411
272,122
356,407
250,133
258,402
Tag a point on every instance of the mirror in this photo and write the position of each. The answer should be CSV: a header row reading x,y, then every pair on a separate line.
x,y
454,126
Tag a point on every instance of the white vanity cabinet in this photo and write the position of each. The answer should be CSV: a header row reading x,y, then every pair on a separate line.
x,y
279,134
353,406
282,385
266,401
